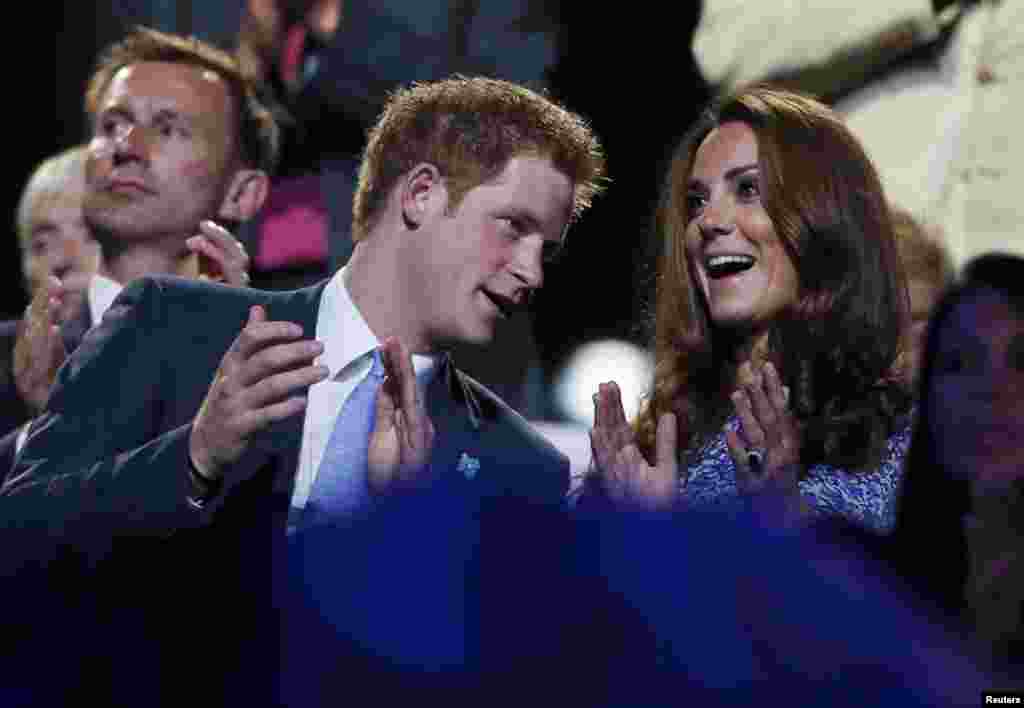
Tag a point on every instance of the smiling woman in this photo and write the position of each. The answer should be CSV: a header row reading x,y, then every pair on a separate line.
x,y
780,303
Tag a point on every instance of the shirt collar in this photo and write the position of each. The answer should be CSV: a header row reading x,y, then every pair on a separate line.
x,y
102,293
348,339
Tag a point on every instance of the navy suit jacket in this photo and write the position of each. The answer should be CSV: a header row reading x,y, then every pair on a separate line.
x,y
103,481
13,411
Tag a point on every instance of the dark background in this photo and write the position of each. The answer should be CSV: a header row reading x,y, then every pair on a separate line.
x,y
627,68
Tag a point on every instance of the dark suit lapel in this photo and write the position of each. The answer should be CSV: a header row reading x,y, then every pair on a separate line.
x,y
75,328
458,419
302,308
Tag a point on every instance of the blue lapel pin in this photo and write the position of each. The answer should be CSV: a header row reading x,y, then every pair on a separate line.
x,y
468,466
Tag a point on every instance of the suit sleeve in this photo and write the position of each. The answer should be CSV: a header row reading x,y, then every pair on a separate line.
x,y
14,412
97,463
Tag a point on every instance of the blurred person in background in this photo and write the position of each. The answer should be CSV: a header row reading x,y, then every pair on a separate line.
x,y
56,243
964,487
929,271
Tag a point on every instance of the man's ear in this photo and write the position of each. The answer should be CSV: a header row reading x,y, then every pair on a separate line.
x,y
245,195
422,193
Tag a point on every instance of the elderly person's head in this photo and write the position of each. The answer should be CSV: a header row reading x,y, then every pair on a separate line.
x,y
52,234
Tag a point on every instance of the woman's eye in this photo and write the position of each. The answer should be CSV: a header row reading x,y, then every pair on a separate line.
x,y
694,204
749,189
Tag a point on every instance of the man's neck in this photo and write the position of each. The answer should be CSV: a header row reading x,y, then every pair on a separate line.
x,y
380,294
139,260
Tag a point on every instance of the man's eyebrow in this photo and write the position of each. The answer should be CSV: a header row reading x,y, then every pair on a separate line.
x,y
531,219
42,226
527,217
115,109
122,111
170,114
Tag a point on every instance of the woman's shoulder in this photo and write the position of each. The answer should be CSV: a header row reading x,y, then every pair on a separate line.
x,y
866,497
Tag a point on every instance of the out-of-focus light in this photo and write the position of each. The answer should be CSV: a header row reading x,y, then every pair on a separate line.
x,y
595,363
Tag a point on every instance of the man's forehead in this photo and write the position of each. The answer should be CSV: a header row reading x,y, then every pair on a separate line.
x,y
165,82
536,183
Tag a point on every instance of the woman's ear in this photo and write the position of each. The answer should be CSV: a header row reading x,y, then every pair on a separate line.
x,y
245,195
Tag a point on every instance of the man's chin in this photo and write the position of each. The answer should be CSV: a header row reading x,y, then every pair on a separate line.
x,y
479,336
111,226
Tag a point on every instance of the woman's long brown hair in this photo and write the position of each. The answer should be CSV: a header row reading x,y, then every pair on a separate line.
x,y
836,347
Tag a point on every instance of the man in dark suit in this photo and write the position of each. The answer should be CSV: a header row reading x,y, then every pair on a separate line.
x,y
72,277
465,187
179,140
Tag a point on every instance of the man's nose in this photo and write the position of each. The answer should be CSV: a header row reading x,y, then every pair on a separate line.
x,y
59,260
131,143
528,266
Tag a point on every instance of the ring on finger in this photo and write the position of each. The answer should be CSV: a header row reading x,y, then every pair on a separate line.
x,y
755,460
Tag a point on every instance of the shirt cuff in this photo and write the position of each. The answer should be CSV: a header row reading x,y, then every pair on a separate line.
x,y
206,489
22,438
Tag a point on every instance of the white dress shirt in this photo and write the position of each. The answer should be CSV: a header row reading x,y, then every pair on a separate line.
x,y
348,348
101,295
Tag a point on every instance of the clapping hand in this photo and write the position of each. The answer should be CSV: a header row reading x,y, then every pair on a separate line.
x,y
262,378
766,448
215,254
627,477
403,435
39,348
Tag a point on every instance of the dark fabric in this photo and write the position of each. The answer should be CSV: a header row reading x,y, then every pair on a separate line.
x,y
101,489
511,603
13,411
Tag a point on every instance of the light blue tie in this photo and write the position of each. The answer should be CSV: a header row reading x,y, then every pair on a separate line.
x,y
340,489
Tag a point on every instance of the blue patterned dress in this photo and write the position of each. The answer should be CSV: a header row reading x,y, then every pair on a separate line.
x,y
867,499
